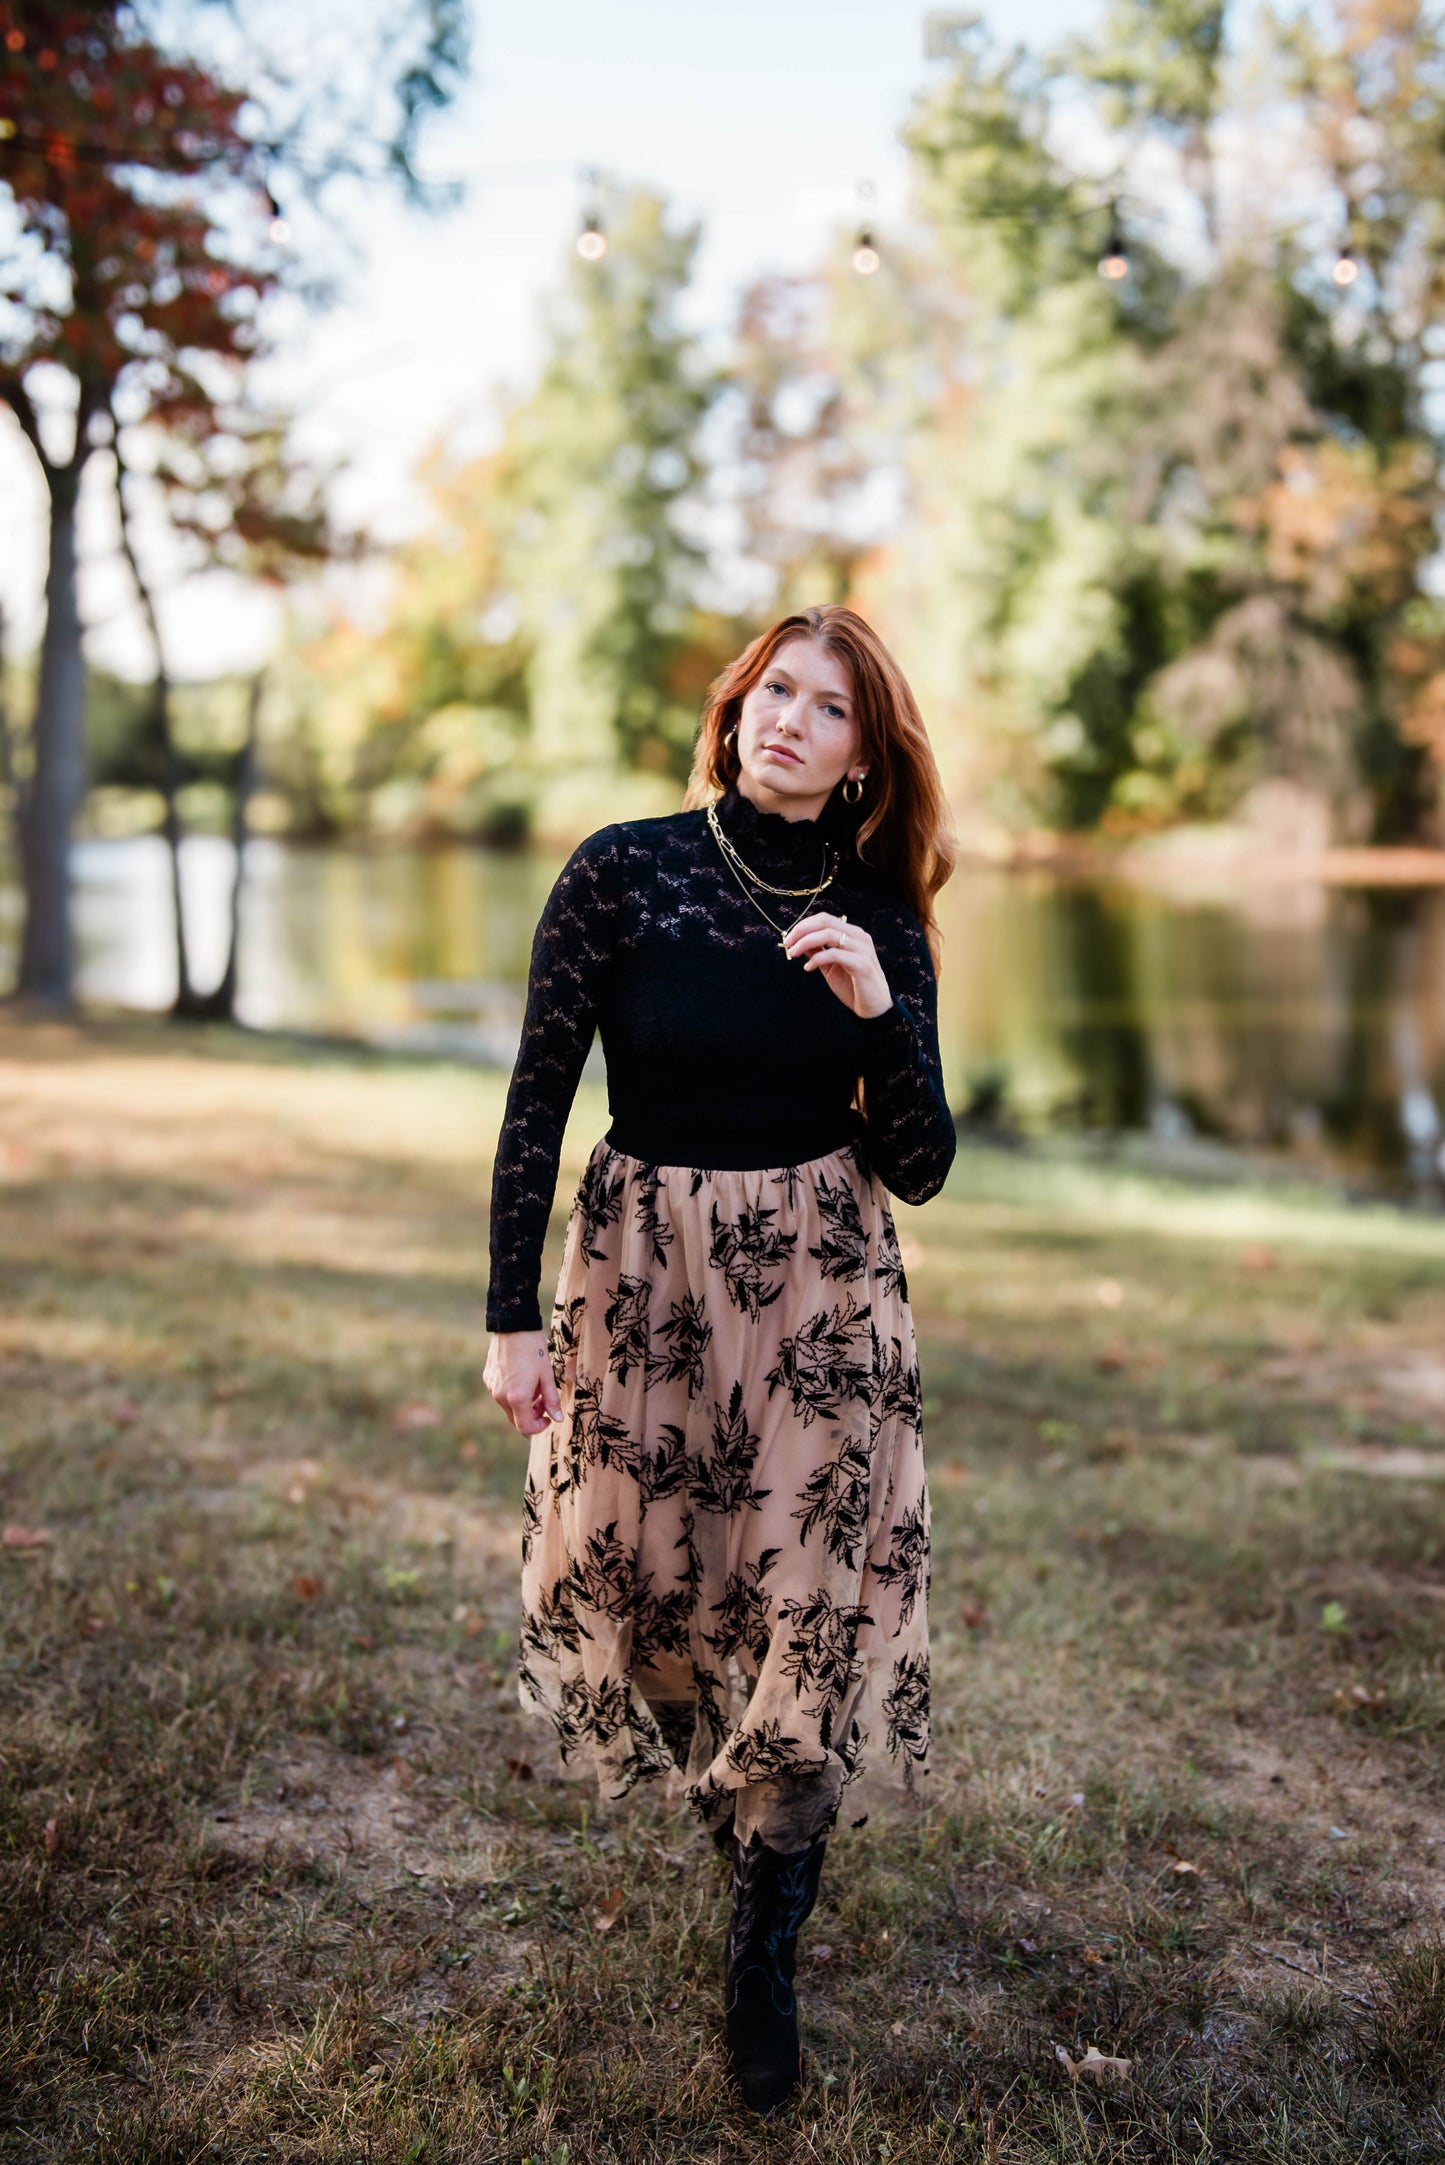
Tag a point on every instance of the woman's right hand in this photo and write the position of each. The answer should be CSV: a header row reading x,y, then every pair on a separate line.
x,y
519,1376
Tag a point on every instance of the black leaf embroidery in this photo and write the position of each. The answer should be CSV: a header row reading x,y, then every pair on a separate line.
x,y
599,1202
531,1518
888,1272
683,1338
562,1337
592,1433
820,1654
789,1180
625,1319
896,1392
660,1621
842,1252
710,1704
553,1625
764,1754
649,1218
907,1563
692,1568
835,1497
709,1799
905,1706
721,1479
604,1577
648,1757
743,1611
819,1366
746,1249
659,1469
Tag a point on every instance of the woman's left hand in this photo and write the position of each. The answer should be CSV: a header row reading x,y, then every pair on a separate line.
x,y
847,958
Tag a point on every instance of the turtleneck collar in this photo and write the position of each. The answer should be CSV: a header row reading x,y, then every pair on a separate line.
x,y
767,840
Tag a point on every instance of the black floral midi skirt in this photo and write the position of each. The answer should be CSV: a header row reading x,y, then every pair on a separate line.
x,y
725,1547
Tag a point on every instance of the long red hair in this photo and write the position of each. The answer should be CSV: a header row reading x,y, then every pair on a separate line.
x,y
904,831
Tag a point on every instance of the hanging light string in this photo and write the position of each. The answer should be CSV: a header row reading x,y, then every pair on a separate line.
x,y
189,157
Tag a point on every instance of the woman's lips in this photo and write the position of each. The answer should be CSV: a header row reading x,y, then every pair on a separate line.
x,y
780,751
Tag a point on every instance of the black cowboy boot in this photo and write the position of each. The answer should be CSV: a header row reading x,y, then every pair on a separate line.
x,y
772,1894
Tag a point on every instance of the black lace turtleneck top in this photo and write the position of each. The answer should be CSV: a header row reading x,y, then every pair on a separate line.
x,y
721,1053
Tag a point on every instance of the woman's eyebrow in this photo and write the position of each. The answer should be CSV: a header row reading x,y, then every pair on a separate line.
x,y
783,676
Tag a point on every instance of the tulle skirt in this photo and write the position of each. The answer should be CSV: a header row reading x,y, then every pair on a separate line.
x,y
725,1550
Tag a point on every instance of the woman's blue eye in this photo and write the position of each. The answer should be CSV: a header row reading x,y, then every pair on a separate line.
x,y
776,688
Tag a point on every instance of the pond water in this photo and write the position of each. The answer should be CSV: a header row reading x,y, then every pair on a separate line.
x,y
1302,1018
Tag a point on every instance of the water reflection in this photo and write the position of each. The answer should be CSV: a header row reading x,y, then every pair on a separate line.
x,y
1298,1017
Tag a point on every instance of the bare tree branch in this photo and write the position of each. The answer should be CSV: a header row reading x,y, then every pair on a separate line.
x,y
18,399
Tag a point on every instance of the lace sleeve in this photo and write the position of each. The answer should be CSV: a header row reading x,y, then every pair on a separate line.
x,y
571,957
911,1135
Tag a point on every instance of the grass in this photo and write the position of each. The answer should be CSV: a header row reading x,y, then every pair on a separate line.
x,y
287,1876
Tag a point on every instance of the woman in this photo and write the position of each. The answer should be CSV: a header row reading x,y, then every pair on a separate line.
x,y
725,1553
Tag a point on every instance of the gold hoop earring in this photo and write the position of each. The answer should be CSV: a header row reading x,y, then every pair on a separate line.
x,y
731,739
853,788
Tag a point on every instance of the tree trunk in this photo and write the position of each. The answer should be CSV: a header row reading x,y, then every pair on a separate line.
x,y
162,735
57,781
220,1005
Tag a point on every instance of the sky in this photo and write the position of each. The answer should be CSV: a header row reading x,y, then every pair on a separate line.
x,y
760,119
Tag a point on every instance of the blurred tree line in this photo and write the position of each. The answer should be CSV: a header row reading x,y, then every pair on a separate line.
x,y
1141,544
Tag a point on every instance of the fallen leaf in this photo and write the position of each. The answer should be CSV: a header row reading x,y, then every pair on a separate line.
x,y
1362,1695
974,1614
305,1587
1074,1801
1111,1358
1182,1866
400,1724
1118,1443
520,1769
1091,1955
895,2029
51,1837
607,1912
416,1413
1098,2066
821,1954
1334,1617
26,1537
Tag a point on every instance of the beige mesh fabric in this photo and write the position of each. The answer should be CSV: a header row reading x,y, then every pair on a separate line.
x,y
725,1557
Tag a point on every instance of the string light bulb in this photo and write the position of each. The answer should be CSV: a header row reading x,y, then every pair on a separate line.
x,y
866,258
592,241
1346,269
1114,262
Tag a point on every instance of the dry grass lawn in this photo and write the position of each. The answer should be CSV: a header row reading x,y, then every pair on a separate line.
x,y
287,1876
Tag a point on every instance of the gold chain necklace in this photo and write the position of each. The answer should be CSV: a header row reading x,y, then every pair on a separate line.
x,y
735,859
810,893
